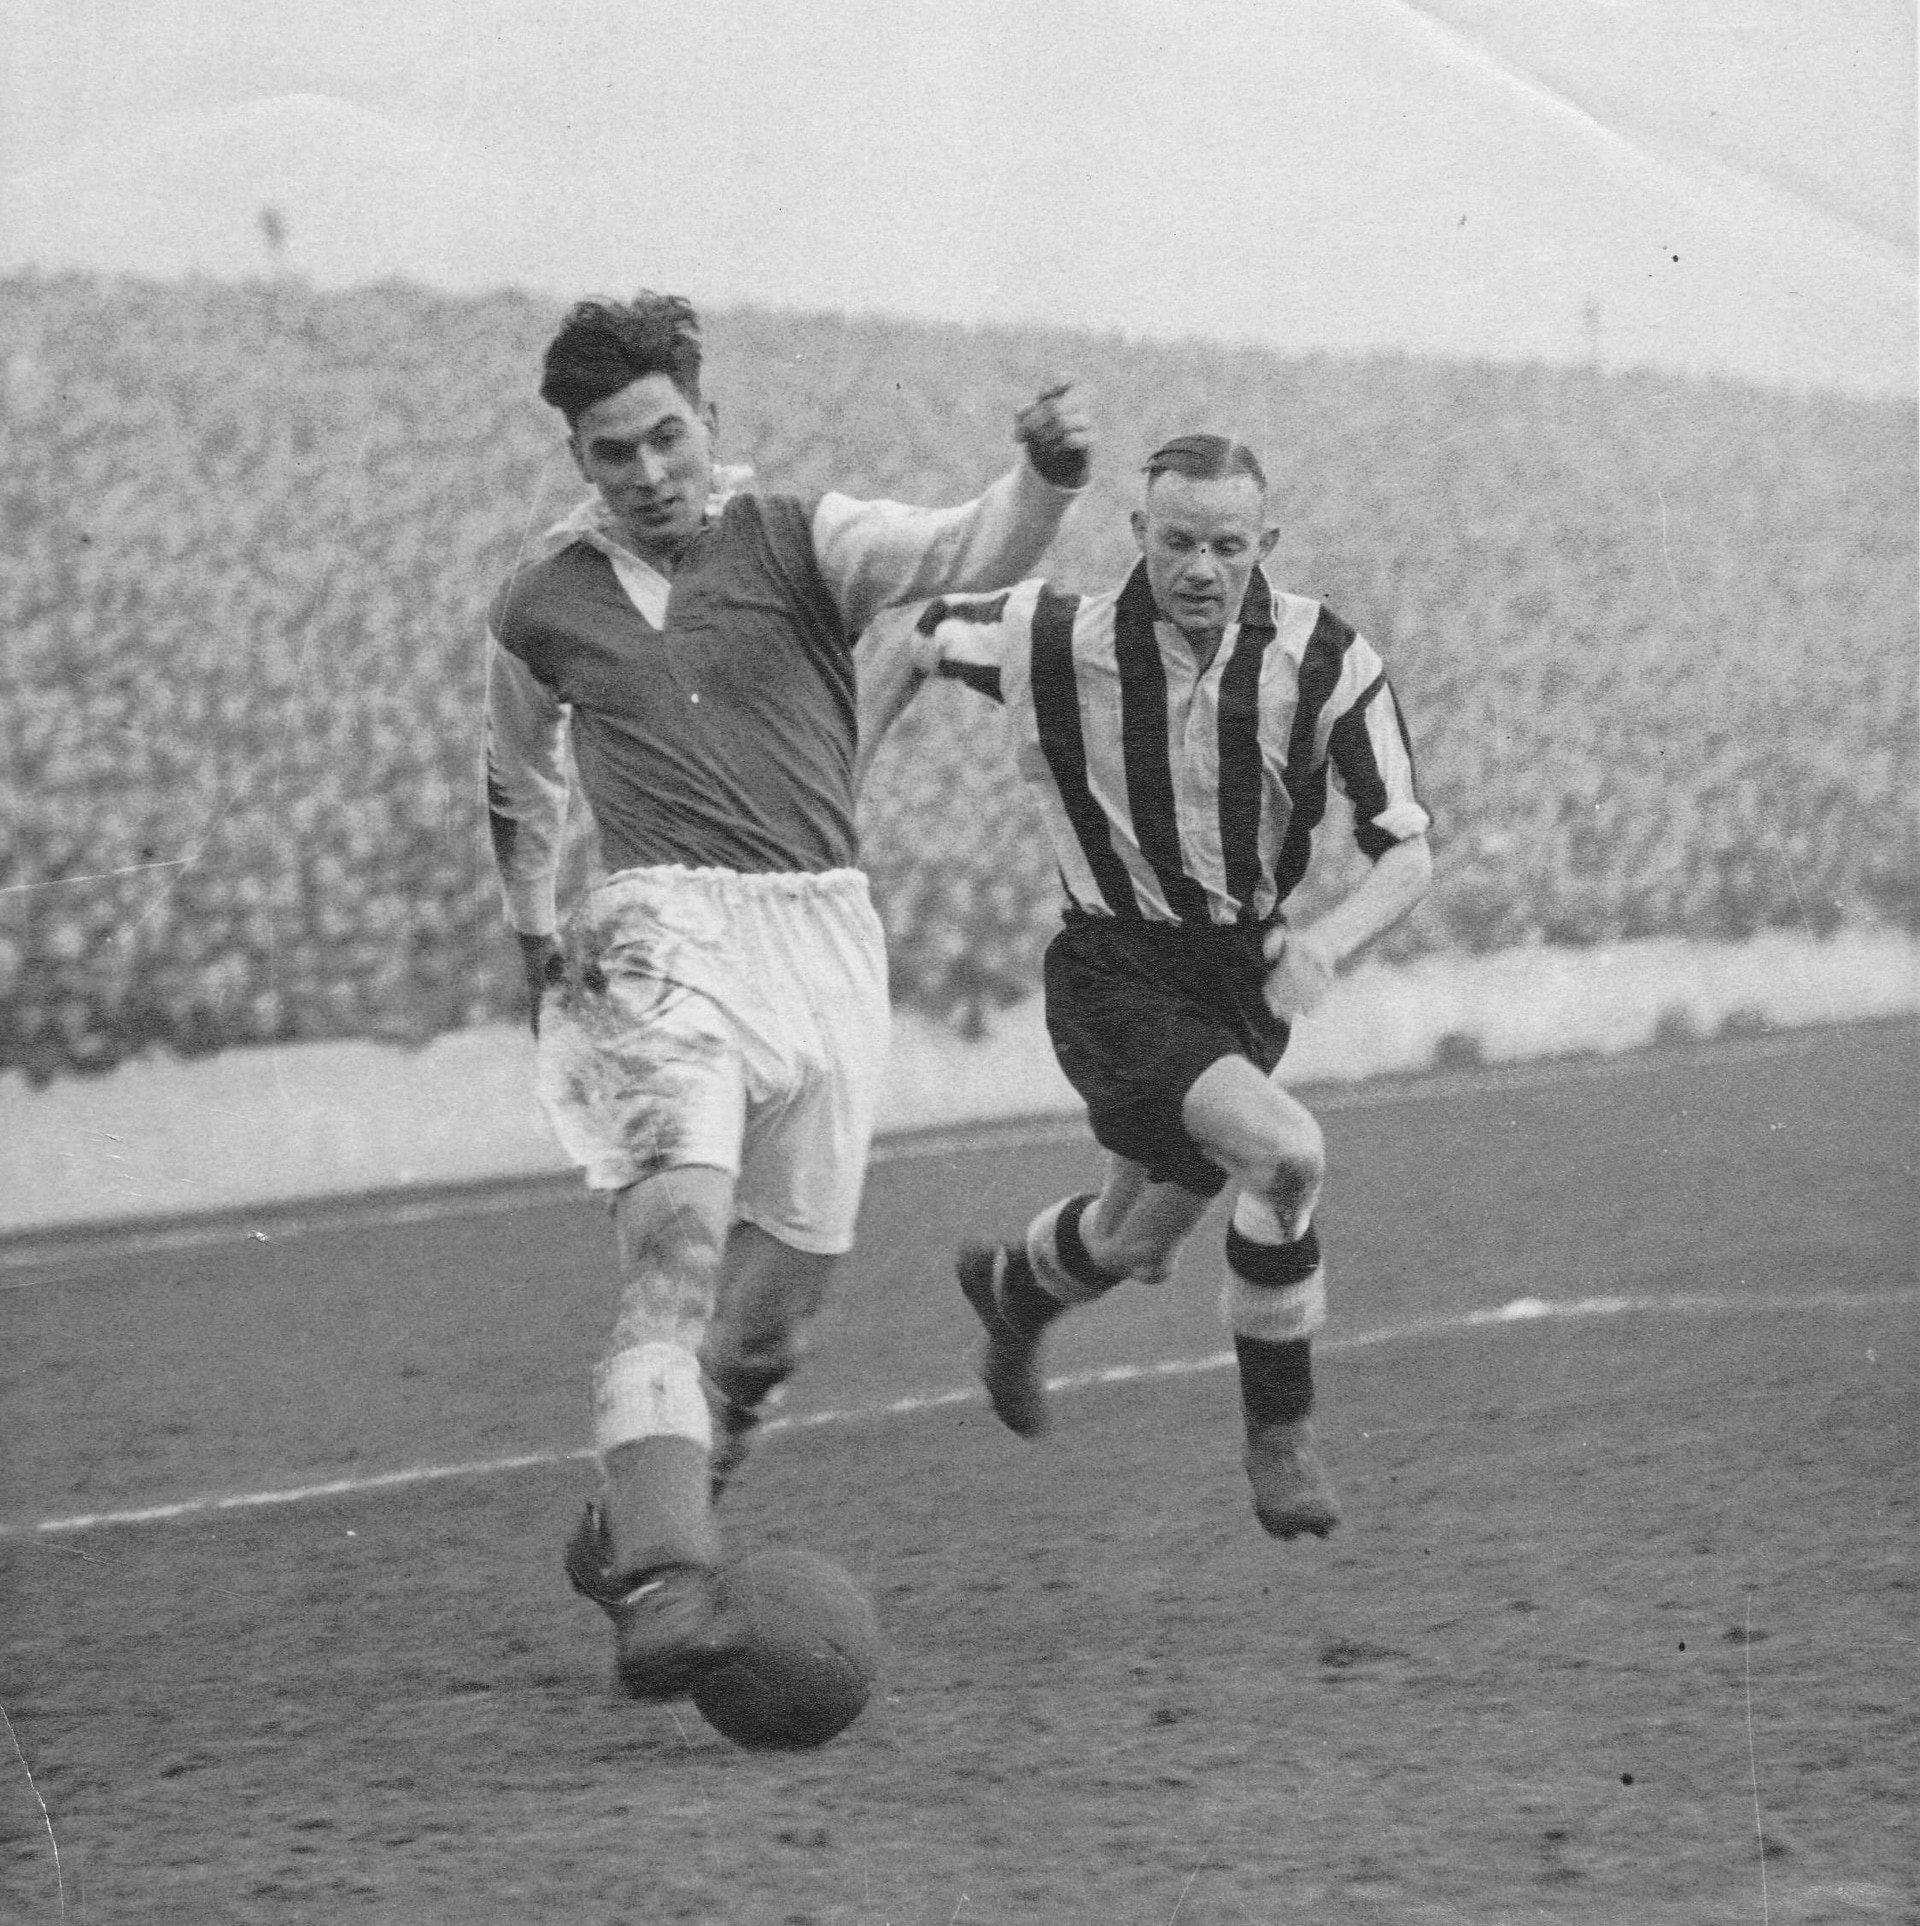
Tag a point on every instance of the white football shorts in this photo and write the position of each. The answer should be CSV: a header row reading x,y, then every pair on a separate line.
x,y
738,1021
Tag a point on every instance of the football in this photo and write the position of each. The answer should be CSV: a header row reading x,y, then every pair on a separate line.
x,y
808,1659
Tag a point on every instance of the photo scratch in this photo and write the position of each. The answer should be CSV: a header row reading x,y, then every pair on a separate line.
x,y
95,876
1666,551
45,1816
1753,1757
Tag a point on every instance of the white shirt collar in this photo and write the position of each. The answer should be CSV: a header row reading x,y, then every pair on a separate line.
x,y
591,522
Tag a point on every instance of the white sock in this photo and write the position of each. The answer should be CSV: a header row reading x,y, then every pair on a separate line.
x,y
649,1391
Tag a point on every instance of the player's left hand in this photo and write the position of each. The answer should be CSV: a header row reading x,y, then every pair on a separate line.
x,y
1057,435
540,961
1302,972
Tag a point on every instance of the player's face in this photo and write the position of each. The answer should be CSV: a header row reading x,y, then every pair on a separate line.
x,y
649,451
1201,541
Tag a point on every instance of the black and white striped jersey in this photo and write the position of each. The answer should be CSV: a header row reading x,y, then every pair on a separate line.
x,y
1172,793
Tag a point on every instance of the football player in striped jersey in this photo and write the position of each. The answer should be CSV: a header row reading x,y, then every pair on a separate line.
x,y
1178,734
712,1021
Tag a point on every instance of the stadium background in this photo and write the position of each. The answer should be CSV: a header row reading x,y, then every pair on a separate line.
x,y
1656,636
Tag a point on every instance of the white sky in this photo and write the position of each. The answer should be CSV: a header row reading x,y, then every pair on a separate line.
x,y
1731,181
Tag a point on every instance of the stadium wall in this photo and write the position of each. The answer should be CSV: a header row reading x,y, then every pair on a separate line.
x,y
161,1139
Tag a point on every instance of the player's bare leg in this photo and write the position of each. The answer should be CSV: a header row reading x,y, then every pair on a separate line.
x,y
646,1547
1275,1297
769,1295
1137,1227
1074,1252
650,1416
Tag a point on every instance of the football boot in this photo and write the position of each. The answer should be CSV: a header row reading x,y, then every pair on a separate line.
x,y
671,1624
1291,1490
1009,1361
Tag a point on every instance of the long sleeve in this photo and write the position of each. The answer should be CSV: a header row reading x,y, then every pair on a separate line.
x,y
526,788
876,554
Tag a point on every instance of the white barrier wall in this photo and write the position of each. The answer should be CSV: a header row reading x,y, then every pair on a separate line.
x,y
164,1139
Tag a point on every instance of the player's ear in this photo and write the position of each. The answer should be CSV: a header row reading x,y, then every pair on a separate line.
x,y
711,416
578,453
1138,520
1268,536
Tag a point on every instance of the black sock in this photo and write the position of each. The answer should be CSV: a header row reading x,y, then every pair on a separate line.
x,y
1072,1247
746,1387
1024,1302
1273,1265
1276,1380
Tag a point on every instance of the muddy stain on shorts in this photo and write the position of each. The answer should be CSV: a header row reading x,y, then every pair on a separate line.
x,y
627,1054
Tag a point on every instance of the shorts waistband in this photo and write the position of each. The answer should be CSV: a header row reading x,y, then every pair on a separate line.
x,y
1152,930
741,885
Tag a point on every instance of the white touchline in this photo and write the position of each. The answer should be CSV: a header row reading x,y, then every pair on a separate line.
x,y
1520,1310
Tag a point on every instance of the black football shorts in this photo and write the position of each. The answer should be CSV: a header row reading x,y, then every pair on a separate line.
x,y
1137,1011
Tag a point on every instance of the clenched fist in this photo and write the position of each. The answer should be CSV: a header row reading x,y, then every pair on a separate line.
x,y
1057,435
1302,973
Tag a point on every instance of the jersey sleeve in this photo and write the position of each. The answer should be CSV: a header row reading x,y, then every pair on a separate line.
x,y
526,788
873,555
971,638
1371,754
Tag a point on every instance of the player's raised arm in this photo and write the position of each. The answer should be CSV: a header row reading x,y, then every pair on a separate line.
x,y
1057,434
984,641
963,637
878,554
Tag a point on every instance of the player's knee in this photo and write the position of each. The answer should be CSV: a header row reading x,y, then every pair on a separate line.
x,y
658,1233
1288,1175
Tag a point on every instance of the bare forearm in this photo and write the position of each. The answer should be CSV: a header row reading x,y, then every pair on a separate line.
x,y
1304,960
1389,890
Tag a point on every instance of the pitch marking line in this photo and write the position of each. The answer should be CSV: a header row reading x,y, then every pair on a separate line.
x,y
1521,1310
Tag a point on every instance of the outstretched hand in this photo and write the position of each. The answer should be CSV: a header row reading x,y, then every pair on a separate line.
x,y
1057,435
1302,973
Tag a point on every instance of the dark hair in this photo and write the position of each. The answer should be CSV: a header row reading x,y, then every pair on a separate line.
x,y
1205,458
603,346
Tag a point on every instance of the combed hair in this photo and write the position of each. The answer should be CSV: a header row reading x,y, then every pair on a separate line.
x,y
1205,458
603,346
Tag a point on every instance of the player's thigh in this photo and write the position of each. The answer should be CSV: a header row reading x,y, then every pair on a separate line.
x,y
804,1165
639,1077
684,1211
1246,1122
